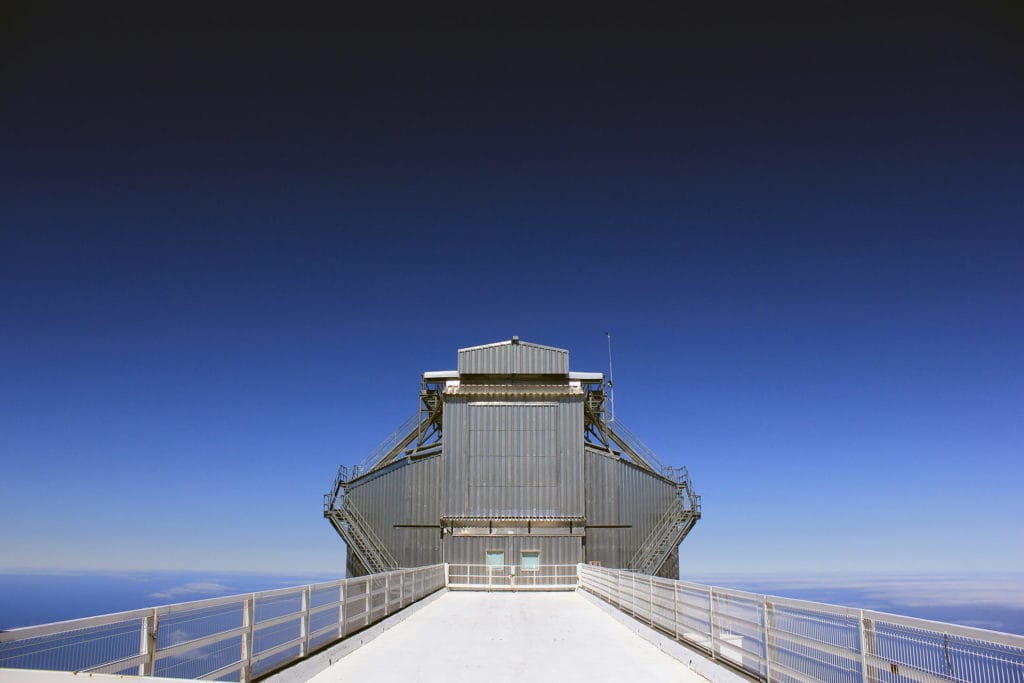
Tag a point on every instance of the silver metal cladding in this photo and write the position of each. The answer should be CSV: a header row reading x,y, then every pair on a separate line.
x,y
513,465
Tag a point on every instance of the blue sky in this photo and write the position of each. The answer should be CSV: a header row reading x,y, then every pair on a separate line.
x,y
229,245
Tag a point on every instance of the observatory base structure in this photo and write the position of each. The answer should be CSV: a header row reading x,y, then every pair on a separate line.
x,y
512,460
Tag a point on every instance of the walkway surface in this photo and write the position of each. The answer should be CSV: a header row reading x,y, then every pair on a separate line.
x,y
491,637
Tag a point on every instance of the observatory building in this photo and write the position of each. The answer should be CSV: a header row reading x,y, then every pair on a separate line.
x,y
513,475
512,460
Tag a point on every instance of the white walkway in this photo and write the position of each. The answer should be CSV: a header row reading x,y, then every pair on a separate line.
x,y
491,637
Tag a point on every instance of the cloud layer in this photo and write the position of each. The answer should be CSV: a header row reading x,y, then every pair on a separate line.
x,y
193,589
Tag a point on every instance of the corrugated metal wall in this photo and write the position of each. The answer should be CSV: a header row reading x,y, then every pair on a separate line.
x,y
506,358
553,549
406,494
353,567
619,493
670,570
513,459
517,458
616,493
454,492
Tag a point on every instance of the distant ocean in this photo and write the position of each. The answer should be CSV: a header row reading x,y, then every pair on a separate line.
x,y
41,597
990,601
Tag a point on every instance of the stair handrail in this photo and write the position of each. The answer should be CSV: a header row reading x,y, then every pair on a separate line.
x,y
376,545
344,527
355,538
385,447
660,531
686,522
340,518
346,474
337,488
633,442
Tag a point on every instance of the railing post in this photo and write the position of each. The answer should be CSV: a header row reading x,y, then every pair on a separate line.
x,y
711,619
447,575
341,609
869,673
650,605
387,594
769,645
307,594
369,600
675,610
144,645
147,643
632,594
248,617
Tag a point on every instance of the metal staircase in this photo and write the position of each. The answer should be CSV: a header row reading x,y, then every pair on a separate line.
x,y
607,433
359,536
669,532
418,437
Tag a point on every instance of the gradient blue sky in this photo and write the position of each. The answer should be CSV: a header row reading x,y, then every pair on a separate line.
x,y
231,240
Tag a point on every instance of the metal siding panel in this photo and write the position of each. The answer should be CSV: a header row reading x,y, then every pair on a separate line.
x,y
507,359
619,493
498,360
537,360
488,360
670,570
472,549
570,456
603,545
425,485
513,460
405,495
419,547
602,501
553,549
455,457
368,496
643,499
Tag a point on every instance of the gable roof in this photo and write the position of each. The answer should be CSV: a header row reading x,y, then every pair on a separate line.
x,y
513,357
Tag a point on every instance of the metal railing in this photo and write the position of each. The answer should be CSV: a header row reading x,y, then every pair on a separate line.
x,y
773,639
664,538
346,474
232,638
360,536
510,577
627,438
793,641
631,443
386,446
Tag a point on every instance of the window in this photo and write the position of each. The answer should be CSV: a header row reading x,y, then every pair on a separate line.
x,y
495,559
530,561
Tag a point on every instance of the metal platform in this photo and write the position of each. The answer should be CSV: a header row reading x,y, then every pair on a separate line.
x,y
477,636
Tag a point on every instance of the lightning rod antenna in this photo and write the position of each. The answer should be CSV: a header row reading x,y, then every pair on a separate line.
x,y
611,382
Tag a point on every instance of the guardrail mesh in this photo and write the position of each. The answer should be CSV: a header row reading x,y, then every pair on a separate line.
x,y
793,641
511,577
232,638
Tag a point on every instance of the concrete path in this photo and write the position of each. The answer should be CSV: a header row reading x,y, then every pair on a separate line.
x,y
492,637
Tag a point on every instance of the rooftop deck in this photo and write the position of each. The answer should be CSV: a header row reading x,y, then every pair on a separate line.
x,y
475,636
